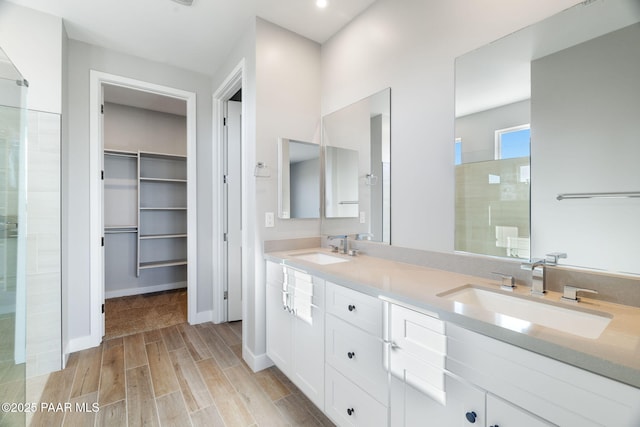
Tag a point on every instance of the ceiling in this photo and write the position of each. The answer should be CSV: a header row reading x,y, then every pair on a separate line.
x,y
198,37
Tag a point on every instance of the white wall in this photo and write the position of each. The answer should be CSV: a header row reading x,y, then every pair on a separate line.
x,y
288,105
34,42
82,58
281,98
410,46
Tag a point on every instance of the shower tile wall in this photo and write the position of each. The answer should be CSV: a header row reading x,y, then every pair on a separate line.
x,y
44,339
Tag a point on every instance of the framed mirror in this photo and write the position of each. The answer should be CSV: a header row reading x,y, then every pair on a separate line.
x,y
298,179
571,81
357,169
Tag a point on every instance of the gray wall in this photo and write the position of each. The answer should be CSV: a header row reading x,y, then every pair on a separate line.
x,y
305,189
584,115
81,59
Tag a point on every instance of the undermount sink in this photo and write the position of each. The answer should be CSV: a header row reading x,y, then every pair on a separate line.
x,y
319,258
517,312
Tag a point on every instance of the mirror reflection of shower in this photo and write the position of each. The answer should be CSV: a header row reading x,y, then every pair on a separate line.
x,y
13,88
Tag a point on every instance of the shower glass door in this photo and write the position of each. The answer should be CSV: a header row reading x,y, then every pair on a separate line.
x,y
13,88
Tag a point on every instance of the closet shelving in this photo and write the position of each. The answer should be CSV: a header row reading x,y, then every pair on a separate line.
x,y
162,210
120,189
146,196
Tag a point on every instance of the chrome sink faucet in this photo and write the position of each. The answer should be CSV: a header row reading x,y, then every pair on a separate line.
x,y
538,273
344,242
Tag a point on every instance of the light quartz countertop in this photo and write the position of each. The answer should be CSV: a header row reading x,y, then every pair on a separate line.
x,y
614,354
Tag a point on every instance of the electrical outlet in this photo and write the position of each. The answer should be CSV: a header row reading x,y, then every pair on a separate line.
x,y
269,219
363,217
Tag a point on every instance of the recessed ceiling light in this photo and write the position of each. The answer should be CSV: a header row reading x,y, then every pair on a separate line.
x,y
321,3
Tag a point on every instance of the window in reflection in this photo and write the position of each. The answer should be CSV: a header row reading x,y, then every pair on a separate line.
x,y
513,142
458,152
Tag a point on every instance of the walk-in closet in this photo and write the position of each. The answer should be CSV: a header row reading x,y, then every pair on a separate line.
x,y
145,193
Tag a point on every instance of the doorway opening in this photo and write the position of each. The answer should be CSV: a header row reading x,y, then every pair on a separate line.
x,y
143,199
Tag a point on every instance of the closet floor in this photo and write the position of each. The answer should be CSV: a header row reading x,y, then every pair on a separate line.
x,y
140,313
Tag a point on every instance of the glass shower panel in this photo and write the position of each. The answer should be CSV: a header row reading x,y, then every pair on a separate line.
x,y
12,240
492,207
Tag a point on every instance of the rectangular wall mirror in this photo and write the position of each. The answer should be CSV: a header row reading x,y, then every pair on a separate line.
x,y
298,179
357,169
575,95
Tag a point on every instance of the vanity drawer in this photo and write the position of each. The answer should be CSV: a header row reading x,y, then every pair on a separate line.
x,y
348,405
357,355
361,310
418,334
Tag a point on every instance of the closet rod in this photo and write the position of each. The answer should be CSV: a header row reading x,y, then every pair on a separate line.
x,y
119,231
609,195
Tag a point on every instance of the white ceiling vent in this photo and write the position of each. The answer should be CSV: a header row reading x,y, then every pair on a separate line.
x,y
184,2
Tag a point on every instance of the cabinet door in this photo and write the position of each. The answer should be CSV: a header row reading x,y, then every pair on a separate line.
x,y
411,407
465,404
308,340
504,414
279,324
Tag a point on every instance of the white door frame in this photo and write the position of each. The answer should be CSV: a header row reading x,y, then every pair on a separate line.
x,y
97,79
234,81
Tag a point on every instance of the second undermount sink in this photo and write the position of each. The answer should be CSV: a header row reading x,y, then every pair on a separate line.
x,y
319,258
517,312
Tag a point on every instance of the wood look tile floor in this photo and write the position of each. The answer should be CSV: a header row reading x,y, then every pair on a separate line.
x,y
180,375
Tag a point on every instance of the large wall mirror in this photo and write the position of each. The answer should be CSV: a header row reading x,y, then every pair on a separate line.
x,y
357,169
570,85
298,179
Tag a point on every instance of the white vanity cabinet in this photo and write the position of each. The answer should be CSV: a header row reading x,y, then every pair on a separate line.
x,y
421,387
520,383
417,350
295,327
356,385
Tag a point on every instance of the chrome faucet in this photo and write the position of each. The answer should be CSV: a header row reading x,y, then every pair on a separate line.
x,y
344,241
537,267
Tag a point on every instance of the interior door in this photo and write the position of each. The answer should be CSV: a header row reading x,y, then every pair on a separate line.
x,y
233,196
101,133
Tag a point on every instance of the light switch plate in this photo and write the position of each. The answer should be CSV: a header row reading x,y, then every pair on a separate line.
x,y
269,219
363,217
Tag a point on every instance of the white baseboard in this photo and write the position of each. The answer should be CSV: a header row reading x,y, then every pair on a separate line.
x,y
144,290
204,316
81,343
256,362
